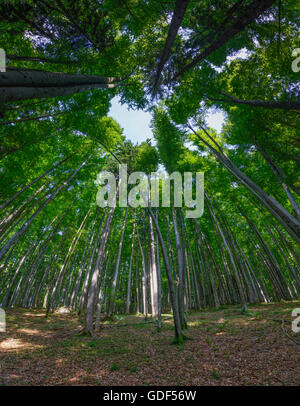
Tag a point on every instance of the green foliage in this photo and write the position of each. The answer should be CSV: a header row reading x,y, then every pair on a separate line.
x,y
114,367
216,375
54,136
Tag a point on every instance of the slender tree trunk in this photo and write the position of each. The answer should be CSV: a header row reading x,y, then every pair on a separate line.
x,y
180,262
280,176
284,105
159,298
25,84
290,223
250,13
144,276
7,294
28,222
34,181
153,272
117,266
92,295
37,59
100,296
88,274
234,266
130,272
177,324
177,17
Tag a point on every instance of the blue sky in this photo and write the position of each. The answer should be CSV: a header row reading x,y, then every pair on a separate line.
x,y
136,122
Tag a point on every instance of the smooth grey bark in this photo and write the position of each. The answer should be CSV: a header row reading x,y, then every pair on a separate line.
x,y
195,284
233,263
280,176
31,118
22,215
7,293
22,289
289,248
284,105
186,272
217,273
208,267
92,293
88,274
65,264
130,272
43,283
206,285
234,247
37,59
177,17
153,272
28,222
4,263
37,260
177,324
41,252
290,223
159,298
60,250
19,212
8,201
83,260
180,261
250,13
25,84
231,289
144,276
271,263
117,266
100,295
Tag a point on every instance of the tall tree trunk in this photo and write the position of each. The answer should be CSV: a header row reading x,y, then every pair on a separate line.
x,y
117,266
159,294
7,293
180,262
284,105
92,295
290,223
100,295
28,222
153,272
177,324
25,84
250,13
177,17
280,176
233,263
130,272
65,264
144,276
35,180
88,273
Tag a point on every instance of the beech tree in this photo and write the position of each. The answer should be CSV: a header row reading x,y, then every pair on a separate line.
x,y
180,61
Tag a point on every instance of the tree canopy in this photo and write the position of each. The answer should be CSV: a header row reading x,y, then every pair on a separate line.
x,y
181,61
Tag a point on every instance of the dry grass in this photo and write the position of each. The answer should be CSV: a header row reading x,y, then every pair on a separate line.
x,y
227,348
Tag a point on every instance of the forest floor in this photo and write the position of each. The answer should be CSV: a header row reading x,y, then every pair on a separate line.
x,y
226,348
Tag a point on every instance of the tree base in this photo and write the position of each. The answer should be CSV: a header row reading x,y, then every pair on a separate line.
x,y
244,308
180,339
184,326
